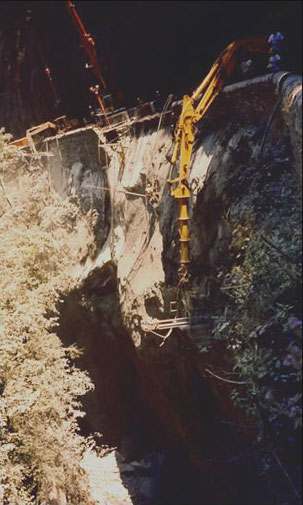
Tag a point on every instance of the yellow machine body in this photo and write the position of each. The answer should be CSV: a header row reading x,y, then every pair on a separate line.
x,y
205,94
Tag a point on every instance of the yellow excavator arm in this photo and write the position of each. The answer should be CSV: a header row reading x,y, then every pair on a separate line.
x,y
191,113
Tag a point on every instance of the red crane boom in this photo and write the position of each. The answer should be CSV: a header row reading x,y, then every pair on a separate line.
x,y
90,49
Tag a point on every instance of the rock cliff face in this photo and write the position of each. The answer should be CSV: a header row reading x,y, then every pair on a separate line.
x,y
152,394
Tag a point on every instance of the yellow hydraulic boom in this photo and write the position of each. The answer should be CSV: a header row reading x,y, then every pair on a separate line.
x,y
205,94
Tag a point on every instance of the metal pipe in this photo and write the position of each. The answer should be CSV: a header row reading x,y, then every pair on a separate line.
x,y
119,190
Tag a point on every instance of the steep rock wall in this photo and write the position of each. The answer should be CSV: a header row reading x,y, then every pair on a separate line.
x,y
111,169
152,393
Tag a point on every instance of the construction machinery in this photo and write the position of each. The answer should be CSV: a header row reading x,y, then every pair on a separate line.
x,y
193,110
90,49
43,130
62,123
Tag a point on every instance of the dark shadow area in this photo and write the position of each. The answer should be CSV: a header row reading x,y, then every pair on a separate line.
x,y
91,318
156,410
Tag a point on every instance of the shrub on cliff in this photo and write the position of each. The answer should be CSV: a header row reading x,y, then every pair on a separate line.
x,y
43,238
262,325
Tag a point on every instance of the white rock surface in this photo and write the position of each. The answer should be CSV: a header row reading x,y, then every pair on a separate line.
x,y
114,482
105,480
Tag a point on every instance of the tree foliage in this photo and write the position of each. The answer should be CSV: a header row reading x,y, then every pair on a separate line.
x,y
262,320
43,238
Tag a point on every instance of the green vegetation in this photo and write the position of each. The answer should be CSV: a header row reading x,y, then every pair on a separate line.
x,y
43,237
262,320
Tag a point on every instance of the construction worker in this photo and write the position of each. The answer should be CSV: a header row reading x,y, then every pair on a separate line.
x,y
275,41
274,63
247,68
159,101
152,193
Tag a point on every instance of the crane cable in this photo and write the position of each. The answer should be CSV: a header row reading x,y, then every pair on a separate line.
x,y
49,76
